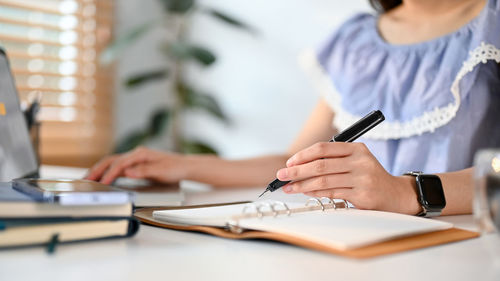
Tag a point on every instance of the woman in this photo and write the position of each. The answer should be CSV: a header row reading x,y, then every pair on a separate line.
x,y
430,66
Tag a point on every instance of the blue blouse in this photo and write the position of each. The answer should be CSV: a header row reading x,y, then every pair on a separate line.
x,y
441,98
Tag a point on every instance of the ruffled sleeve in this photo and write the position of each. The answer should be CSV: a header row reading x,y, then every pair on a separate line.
x,y
484,48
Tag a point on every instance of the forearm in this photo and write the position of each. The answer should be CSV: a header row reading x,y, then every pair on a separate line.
x,y
260,171
458,189
220,172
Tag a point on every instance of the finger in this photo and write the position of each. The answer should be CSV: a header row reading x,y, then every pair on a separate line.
x,y
320,183
120,164
151,171
96,172
142,170
315,168
333,193
322,150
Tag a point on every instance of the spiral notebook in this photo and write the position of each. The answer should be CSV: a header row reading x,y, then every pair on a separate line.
x,y
320,224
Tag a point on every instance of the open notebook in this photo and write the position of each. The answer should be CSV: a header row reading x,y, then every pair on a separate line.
x,y
326,226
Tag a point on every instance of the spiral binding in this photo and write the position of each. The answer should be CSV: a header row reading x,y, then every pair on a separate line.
x,y
276,208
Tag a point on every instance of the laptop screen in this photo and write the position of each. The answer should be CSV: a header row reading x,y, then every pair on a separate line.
x,y
17,158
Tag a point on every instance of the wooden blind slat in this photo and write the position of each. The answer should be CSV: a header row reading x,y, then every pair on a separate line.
x,y
40,8
23,55
19,39
77,75
31,24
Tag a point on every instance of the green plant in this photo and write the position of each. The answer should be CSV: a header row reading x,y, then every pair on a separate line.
x,y
180,51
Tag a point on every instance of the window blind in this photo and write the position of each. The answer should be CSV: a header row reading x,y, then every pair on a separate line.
x,y
53,46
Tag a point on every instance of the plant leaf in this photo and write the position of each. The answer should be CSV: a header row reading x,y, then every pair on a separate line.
x,y
112,51
178,6
185,51
194,99
207,103
158,122
197,147
146,77
203,55
131,141
222,16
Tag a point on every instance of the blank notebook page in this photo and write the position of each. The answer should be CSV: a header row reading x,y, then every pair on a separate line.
x,y
345,229
341,229
210,216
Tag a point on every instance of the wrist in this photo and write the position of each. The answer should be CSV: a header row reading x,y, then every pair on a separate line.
x,y
197,167
189,164
409,203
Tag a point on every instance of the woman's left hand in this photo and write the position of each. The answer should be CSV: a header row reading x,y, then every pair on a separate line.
x,y
349,171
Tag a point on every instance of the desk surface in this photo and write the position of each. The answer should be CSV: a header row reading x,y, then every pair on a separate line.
x,y
172,255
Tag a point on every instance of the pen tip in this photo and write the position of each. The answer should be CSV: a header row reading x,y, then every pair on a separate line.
x,y
262,193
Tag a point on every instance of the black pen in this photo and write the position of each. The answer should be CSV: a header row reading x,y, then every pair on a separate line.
x,y
348,135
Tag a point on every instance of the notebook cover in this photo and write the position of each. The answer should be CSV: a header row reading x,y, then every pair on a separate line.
x,y
397,245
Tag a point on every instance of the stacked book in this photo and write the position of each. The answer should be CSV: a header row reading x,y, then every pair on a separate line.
x,y
26,220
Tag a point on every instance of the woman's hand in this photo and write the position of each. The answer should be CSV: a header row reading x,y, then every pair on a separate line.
x,y
348,171
140,163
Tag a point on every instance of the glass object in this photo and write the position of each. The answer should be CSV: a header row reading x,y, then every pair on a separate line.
x,y
487,190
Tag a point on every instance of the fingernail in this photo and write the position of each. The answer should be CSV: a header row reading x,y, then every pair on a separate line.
x,y
290,161
282,174
287,188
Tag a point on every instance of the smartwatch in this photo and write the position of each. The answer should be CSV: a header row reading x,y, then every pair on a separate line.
x,y
430,194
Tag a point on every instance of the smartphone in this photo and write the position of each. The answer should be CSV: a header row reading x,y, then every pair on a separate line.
x,y
71,192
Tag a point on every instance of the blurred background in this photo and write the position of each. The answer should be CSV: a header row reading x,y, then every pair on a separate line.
x,y
185,75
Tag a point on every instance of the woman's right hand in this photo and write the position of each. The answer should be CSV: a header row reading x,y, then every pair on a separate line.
x,y
141,163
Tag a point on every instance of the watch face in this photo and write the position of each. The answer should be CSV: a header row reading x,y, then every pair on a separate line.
x,y
431,190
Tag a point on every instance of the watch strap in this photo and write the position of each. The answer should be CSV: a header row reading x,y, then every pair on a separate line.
x,y
429,214
413,173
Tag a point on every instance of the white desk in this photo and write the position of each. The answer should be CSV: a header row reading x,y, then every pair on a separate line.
x,y
156,253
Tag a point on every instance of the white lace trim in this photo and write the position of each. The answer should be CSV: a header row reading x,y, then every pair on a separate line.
x,y
427,122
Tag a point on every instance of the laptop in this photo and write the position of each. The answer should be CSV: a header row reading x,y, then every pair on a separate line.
x,y
17,157
19,164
